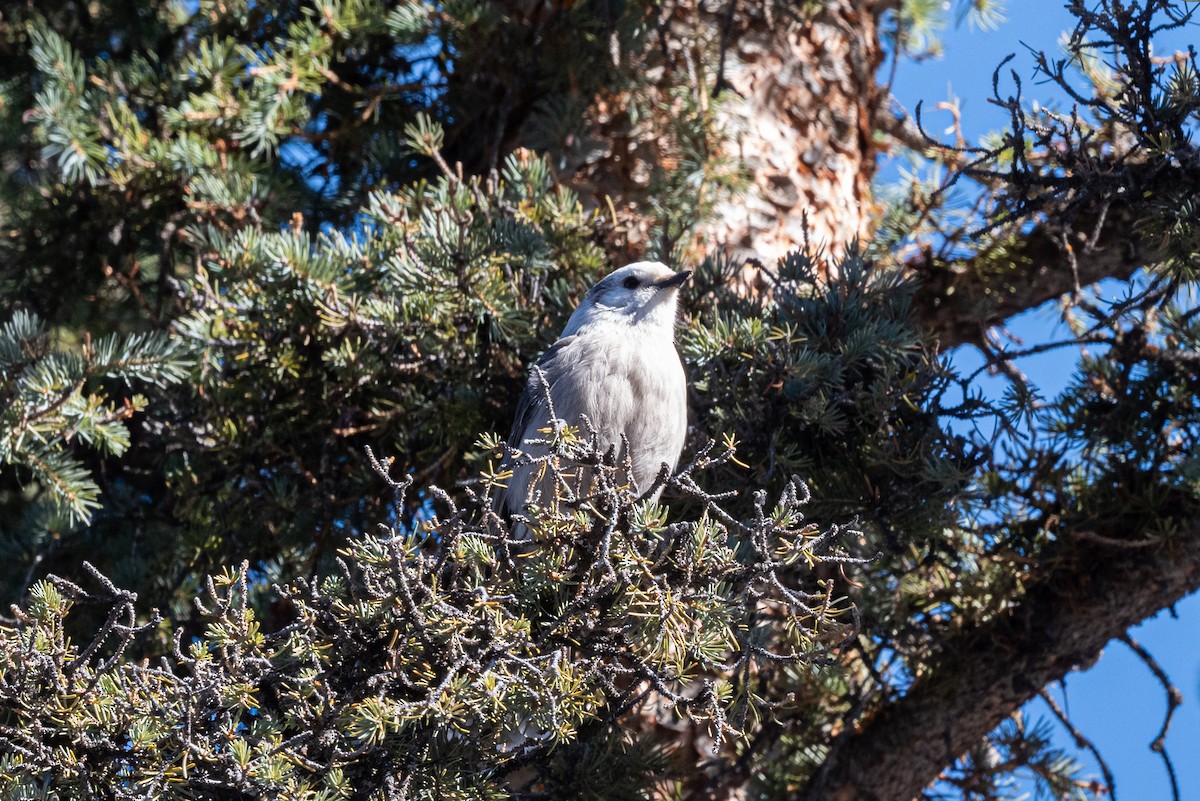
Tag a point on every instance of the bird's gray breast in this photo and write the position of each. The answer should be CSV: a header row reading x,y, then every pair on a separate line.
x,y
637,389
631,385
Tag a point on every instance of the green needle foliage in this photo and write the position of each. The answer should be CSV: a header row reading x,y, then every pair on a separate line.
x,y
312,346
449,649
54,403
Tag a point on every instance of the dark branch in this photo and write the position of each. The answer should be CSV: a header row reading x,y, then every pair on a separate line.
x,y
959,301
1089,595
1174,699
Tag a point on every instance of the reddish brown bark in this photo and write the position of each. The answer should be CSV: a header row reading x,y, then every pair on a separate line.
x,y
802,122
794,102
800,108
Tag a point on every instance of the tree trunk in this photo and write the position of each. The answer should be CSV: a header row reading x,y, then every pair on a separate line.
x,y
802,124
794,104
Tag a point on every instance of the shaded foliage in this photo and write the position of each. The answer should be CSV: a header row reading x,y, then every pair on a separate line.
x,y
445,661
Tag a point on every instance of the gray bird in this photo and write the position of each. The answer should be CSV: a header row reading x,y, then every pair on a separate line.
x,y
616,363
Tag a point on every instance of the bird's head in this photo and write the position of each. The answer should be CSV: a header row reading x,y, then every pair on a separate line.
x,y
645,293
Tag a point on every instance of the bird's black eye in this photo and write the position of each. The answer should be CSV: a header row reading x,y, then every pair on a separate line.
x,y
630,283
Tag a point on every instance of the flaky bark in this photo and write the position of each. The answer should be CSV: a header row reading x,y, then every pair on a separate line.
x,y
1093,590
802,125
796,107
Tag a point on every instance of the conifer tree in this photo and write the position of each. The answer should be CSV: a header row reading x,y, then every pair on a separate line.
x,y
273,275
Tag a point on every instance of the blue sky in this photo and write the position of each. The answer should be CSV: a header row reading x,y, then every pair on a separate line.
x,y
1118,703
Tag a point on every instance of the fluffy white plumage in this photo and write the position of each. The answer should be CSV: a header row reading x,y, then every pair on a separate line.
x,y
616,363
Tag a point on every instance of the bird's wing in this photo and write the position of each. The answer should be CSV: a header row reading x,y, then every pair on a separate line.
x,y
532,404
531,410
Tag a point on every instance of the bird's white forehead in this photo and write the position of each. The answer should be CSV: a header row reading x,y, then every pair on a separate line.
x,y
653,270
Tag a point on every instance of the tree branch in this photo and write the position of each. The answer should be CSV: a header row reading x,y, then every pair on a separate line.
x,y
1088,595
959,301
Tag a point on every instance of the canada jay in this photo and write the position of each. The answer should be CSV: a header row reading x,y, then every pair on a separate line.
x,y
616,363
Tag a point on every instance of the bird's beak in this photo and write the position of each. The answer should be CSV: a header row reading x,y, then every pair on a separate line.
x,y
675,280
